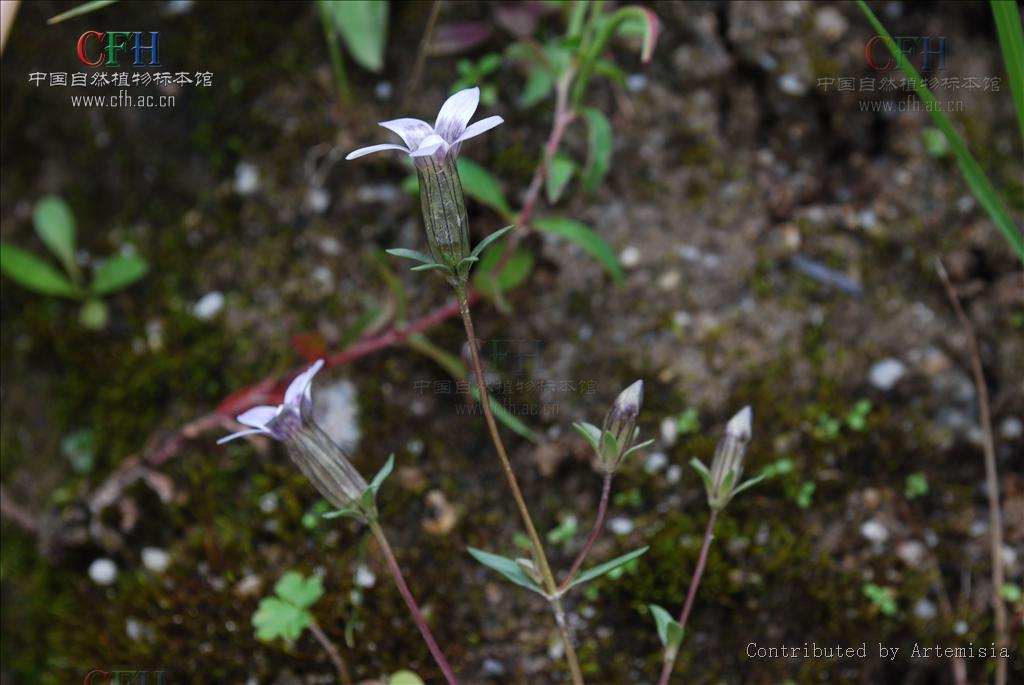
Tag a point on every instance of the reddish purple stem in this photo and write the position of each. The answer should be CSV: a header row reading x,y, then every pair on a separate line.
x,y
410,602
709,535
602,514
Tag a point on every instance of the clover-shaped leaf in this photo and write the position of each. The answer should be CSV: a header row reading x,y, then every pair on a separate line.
x,y
277,618
300,591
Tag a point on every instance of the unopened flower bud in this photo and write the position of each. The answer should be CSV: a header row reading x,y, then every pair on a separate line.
x,y
727,465
619,431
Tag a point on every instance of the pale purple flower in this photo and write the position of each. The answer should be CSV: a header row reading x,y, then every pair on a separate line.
x,y
324,463
444,138
281,422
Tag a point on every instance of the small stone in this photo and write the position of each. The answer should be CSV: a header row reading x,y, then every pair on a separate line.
x,y
912,552
330,245
103,571
493,668
620,525
925,610
630,257
318,200
1011,428
247,178
383,90
209,305
364,576
268,503
442,514
791,84
670,280
155,559
830,24
674,474
885,374
669,430
249,586
874,531
656,461
961,627
133,629
636,82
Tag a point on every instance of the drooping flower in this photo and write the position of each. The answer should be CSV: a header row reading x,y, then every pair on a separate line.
x,y
425,143
322,462
434,150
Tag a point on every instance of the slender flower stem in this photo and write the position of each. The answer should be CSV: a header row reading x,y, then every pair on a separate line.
x,y
332,652
417,615
602,514
517,495
709,535
995,516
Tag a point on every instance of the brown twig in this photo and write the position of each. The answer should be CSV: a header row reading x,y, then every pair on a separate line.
x,y
421,53
332,652
991,476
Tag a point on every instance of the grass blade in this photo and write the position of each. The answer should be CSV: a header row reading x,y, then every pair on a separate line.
x,y
1011,40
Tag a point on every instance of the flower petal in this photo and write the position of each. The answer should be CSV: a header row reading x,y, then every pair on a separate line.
x,y
239,434
298,386
257,417
412,131
375,148
479,127
455,114
429,146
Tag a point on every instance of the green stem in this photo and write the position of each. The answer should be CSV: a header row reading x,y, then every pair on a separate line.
x,y
538,549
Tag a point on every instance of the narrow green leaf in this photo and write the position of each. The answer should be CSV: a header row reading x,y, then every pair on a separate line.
x,y
431,267
586,238
609,26
346,513
604,568
384,472
749,483
506,567
702,471
32,272
599,145
405,253
482,245
1011,40
559,172
118,272
81,9
55,226
363,27
589,431
636,448
669,631
972,172
481,185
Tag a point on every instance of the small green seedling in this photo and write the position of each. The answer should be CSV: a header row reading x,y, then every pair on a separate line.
x,y
805,494
286,614
916,485
688,422
857,418
476,74
881,597
55,226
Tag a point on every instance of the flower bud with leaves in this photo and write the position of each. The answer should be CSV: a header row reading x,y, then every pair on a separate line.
x,y
318,457
616,439
722,483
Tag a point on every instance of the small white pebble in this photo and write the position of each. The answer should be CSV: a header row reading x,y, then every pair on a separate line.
x,y
791,84
656,461
383,90
886,373
247,178
620,525
1011,428
674,474
209,305
268,503
636,82
925,610
364,576
133,629
155,559
318,200
669,431
960,627
630,256
874,531
103,571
